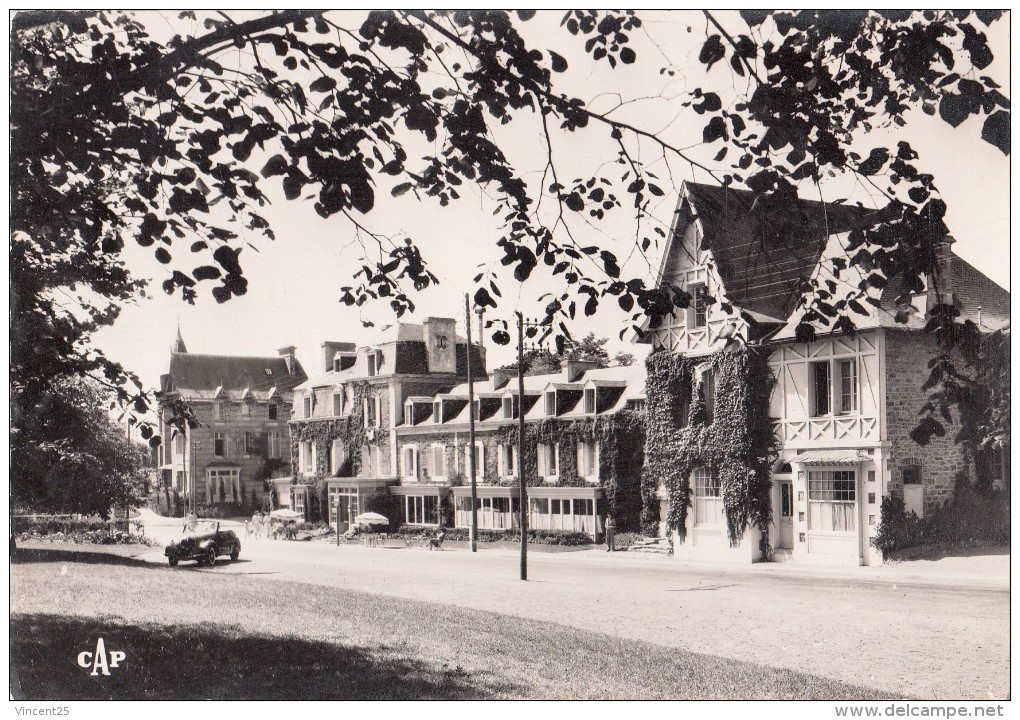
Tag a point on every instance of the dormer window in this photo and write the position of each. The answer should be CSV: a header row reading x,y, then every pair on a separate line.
x,y
437,411
589,401
511,407
550,404
372,364
338,403
476,410
269,372
336,364
308,406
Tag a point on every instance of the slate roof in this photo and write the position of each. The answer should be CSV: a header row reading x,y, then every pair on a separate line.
x,y
762,257
198,376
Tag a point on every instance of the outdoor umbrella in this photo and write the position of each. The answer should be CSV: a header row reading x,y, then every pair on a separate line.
x,y
370,518
285,514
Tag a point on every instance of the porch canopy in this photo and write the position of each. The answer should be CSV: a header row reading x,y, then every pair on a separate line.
x,y
830,457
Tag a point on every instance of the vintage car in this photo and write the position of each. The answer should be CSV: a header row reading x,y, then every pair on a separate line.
x,y
204,543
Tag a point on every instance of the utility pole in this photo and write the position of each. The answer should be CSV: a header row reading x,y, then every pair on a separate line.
x,y
520,446
471,427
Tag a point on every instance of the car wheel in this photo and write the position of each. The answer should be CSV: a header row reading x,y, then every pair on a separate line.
x,y
172,559
236,552
210,556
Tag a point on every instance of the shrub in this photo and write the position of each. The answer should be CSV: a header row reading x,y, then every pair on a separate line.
x,y
975,516
537,537
85,531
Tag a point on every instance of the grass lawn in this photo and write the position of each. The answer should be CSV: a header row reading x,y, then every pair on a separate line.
x,y
192,634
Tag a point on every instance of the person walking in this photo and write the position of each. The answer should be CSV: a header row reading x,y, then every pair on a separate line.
x,y
610,534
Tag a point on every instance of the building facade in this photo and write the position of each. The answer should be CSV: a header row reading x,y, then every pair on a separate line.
x,y
842,406
241,441
343,443
583,451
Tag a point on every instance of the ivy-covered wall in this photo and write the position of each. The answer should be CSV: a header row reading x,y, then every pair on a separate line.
x,y
621,440
737,445
349,429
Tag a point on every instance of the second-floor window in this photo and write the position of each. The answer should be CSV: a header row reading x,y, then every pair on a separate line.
x,y
437,465
410,462
507,460
371,412
272,411
308,458
273,444
249,443
219,445
587,460
833,387
338,403
548,459
307,406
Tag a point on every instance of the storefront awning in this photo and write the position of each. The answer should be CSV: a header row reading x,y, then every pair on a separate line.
x,y
830,457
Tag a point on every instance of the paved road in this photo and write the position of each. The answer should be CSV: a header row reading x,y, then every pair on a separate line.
x,y
907,636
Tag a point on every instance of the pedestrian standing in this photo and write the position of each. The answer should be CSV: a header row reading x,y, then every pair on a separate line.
x,y
610,534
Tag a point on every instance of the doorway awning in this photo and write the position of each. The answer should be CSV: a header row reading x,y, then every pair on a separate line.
x,y
830,457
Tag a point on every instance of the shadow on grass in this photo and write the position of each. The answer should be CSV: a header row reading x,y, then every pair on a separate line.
x,y
216,662
107,555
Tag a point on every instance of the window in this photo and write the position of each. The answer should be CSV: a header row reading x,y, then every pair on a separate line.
x,y
708,506
437,411
847,386
272,411
508,408
589,401
409,464
336,364
833,387
479,459
786,501
246,407
299,500
421,510
507,460
699,306
372,364
550,404
273,444
217,411
250,443
548,460
708,390
338,403
179,443
476,410
587,460
636,405
437,464
338,453
832,500
584,507
307,458
223,485
820,388
371,412
219,444
307,406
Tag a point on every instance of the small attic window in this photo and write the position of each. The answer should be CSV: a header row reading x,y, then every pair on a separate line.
x,y
269,372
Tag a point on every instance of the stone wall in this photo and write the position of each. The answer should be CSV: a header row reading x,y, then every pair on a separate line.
x,y
906,368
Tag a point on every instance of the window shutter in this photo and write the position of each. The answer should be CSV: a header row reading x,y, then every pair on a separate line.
x,y
542,465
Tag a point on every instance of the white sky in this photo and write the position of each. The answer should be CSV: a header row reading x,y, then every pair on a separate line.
x,y
294,282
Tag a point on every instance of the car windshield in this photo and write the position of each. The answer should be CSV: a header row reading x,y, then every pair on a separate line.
x,y
202,527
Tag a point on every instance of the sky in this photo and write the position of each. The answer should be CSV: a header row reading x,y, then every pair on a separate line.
x,y
293,293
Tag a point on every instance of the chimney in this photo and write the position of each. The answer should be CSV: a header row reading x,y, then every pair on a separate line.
x,y
329,350
576,368
501,375
287,353
944,261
